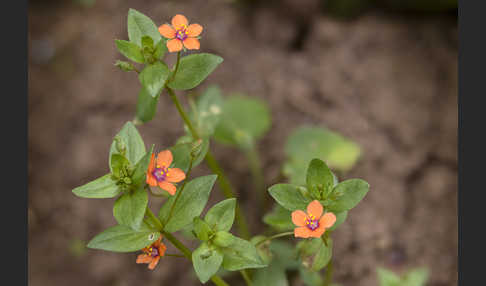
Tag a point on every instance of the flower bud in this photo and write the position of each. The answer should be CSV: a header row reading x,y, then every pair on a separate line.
x,y
124,66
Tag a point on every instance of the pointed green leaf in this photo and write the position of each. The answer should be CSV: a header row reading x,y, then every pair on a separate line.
x,y
323,256
129,209
146,105
193,69
202,230
274,274
139,25
279,218
320,179
289,197
160,49
124,239
130,50
100,188
131,141
347,194
190,204
206,262
221,215
140,172
153,78
241,255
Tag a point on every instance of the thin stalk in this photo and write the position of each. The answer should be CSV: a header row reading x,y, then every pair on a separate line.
x,y
171,212
257,174
328,277
245,275
154,219
274,236
214,166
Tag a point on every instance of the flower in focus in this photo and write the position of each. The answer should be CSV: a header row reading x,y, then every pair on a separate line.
x,y
159,173
311,224
152,254
180,34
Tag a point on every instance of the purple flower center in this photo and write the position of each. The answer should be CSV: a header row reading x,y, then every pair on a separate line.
x,y
160,174
181,34
154,252
312,223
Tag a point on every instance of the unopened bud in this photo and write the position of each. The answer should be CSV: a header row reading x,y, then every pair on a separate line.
x,y
124,66
196,148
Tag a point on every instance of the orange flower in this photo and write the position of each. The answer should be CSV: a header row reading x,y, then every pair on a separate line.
x,y
311,224
180,34
159,173
152,254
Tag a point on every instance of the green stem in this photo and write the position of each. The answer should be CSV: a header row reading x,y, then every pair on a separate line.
x,y
176,66
245,275
257,174
171,212
274,236
328,277
214,166
188,254
154,219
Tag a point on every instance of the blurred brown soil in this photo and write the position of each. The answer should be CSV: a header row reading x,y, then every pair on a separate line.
x,y
387,81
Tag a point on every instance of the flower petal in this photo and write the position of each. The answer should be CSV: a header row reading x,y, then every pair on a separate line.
x,y
154,263
318,232
162,248
144,258
151,164
167,31
194,30
179,21
315,209
171,189
151,180
302,231
174,45
299,217
192,44
175,175
327,220
164,159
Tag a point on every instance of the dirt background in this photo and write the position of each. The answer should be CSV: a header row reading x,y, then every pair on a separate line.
x,y
386,80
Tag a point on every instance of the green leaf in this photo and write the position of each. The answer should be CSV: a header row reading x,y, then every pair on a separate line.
x,y
224,239
244,120
202,230
274,274
182,152
147,43
129,209
160,49
307,142
241,255
208,110
118,164
415,277
132,141
310,278
323,256
206,262
320,179
279,218
146,106
190,204
289,197
221,215
340,218
348,194
122,238
130,50
387,278
124,66
153,78
100,188
140,174
193,69
139,25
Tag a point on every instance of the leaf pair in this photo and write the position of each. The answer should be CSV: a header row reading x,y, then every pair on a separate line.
x,y
219,247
